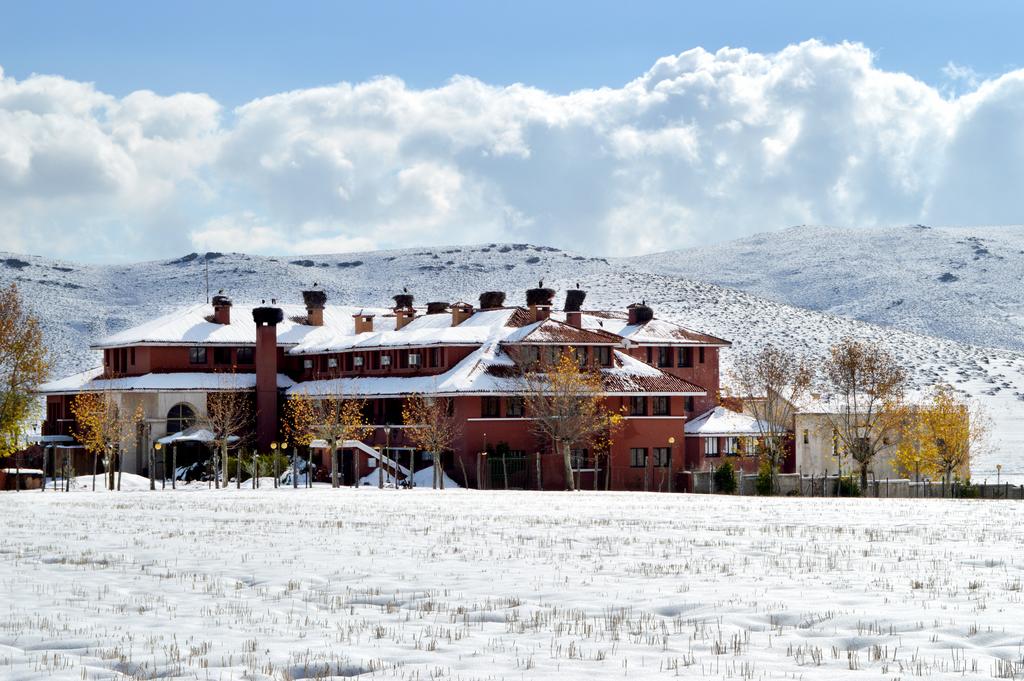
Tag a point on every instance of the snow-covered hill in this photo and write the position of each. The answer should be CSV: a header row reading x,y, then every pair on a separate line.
x,y
79,303
958,283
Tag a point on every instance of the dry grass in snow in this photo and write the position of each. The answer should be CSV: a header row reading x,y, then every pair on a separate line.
x,y
397,584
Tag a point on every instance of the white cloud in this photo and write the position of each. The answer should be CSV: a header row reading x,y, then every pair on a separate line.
x,y
703,146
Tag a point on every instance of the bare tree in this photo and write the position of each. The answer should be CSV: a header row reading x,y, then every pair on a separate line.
x,y
333,419
771,383
229,416
866,388
431,426
566,405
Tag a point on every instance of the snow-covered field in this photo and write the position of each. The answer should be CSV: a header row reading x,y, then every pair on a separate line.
x,y
286,584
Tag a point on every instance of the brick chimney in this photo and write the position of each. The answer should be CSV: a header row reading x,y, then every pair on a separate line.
x,y
639,313
573,307
315,301
221,309
539,301
461,312
267,319
364,322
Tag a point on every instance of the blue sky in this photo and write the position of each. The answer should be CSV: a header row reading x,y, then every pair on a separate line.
x,y
236,51
134,130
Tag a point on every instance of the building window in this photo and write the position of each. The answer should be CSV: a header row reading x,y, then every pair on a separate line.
x,y
650,355
688,406
749,446
711,446
332,362
732,446
307,364
665,357
807,437
222,355
700,357
660,457
515,407
581,356
196,356
660,406
385,360
180,417
435,357
132,351
684,357
638,406
638,457
604,355
490,407
245,355
414,359
357,361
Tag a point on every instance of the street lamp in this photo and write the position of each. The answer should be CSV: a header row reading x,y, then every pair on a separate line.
x,y
999,471
671,446
163,468
273,460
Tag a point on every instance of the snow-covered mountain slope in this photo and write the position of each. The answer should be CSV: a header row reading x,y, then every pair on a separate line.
x,y
79,303
958,283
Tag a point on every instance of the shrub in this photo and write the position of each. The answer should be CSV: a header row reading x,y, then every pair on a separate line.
x,y
848,487
725,479
763,486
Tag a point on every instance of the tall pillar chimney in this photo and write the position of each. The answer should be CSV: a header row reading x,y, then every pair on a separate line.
x,y
267,319
539,301
573,306
315,301
221,309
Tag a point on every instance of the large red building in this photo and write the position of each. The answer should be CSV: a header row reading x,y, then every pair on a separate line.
x,y
659,374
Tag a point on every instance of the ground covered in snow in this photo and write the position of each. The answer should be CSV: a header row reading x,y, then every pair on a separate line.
x,y
291,584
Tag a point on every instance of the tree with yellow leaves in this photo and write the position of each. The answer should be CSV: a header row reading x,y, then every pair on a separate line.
x,y
103,427
333,419
431,426
24,364
939,436
565,403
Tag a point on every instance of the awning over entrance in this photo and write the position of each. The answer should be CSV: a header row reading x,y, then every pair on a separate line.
x,y
193,434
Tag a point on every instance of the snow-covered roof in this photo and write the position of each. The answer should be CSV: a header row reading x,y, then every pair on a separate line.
x,y
656,331
424,330
192,326
722,421
90,381
555,332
